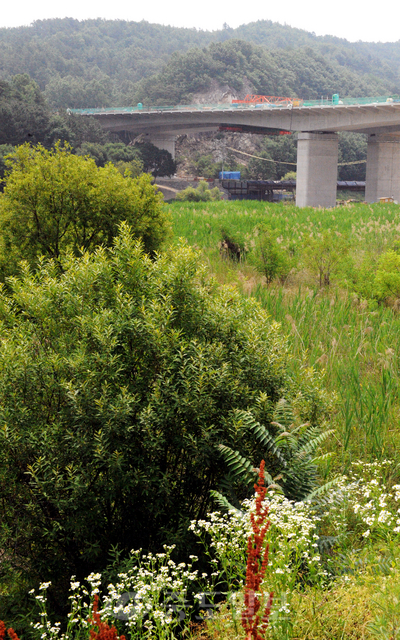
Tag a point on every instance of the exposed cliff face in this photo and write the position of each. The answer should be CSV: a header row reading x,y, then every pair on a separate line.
x,y
217,145
221,93
189,148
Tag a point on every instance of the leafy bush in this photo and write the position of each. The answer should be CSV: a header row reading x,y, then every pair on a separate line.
x,y
119,381
201,194
54,201
387,277
323,254
269,258
158,162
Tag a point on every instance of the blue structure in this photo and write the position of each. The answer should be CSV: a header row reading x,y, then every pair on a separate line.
x,y
229,175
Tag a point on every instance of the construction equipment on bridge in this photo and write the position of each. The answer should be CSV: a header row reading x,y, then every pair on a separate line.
x,y
277,101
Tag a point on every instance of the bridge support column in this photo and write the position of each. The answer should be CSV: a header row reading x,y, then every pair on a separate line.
x,y
317,160
383,167
163,141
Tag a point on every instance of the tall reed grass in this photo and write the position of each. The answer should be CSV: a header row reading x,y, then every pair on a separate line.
x,y
355,344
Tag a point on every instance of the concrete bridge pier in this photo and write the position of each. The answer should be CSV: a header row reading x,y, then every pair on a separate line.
x,y
383,167
163,141
317,161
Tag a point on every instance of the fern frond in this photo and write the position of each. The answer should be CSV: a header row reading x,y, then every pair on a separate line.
x,y
314,443
239,467
223,503
320,491
286,439
323,458
283,413
263,436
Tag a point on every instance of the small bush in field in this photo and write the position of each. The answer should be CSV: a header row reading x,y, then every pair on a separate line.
x,y
201,194
323,253
269,258
232,245
387,277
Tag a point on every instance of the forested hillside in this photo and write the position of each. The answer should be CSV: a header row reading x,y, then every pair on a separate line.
x,y
56,64
248,68
99,62
25,117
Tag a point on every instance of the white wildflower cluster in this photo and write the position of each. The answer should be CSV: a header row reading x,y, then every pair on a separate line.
x,y
44,629
225,535
363,503
151,594
292,539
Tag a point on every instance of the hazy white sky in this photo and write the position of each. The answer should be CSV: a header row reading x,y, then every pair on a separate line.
x,y
353,20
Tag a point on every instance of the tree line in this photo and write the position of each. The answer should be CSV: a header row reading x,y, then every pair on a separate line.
x,y
25,117
98,63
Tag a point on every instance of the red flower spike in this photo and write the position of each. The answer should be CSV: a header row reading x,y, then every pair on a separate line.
x,y
104,632
254,622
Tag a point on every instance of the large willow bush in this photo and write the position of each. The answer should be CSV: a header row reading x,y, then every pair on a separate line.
x,y
120,379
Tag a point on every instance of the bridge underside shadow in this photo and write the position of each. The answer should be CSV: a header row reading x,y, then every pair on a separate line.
x,y
317,150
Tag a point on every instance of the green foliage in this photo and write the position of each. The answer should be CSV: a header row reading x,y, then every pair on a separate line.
x,y
158,162
202,193
289,451
5,150
54,201
74,129
262,167
352,148
205,167
79,93
23,113
290,175
125,158
323,255
95,151
386,625
119,379
269,258
98,62
132,169
387,277
302,72
361,274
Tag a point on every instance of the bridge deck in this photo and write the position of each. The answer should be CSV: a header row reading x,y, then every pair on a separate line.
x,y
365,115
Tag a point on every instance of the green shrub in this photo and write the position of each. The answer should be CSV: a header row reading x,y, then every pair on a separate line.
x,y
201,194
54,201
323,254
269,257
387,277
119,381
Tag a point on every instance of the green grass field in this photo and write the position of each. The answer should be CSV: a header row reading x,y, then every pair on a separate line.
x,y
354,341
349,334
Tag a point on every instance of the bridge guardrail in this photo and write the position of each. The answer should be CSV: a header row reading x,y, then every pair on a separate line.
x,y
297,103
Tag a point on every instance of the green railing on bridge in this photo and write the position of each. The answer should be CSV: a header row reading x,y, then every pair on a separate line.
x,y
297,103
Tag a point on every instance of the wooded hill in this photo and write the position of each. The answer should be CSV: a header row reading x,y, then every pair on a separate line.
x,y
104,63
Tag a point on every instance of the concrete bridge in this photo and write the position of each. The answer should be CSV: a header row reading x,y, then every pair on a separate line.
x,y
316,123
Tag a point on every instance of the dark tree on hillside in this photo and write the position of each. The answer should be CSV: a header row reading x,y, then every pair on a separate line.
x,y
23,113
158,162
